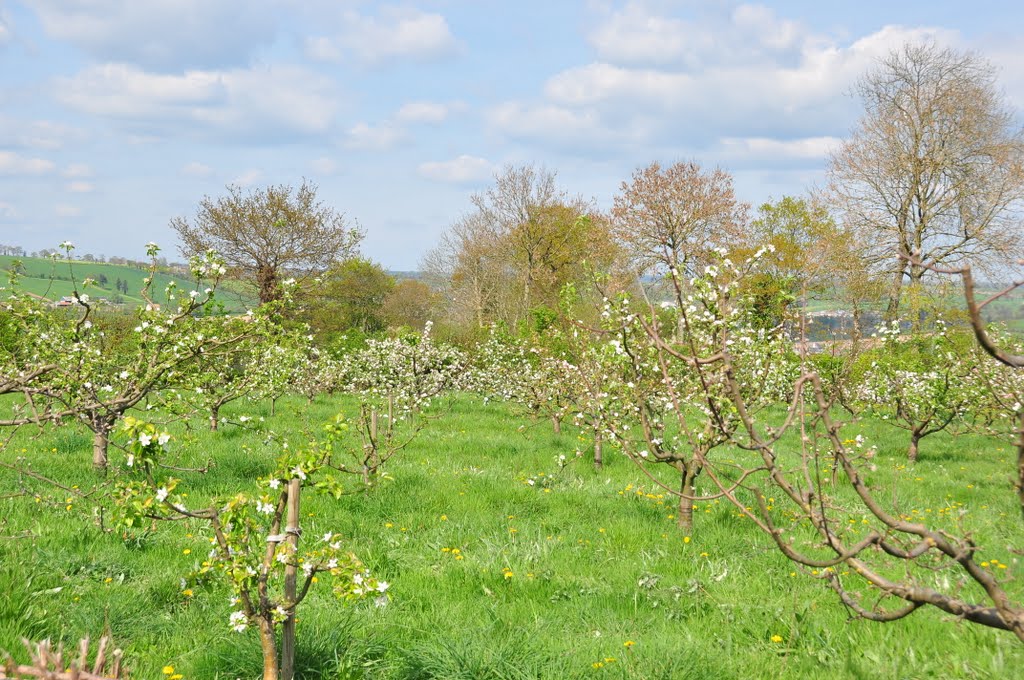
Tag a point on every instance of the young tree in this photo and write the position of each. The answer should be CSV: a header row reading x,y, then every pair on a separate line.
x,y
935,168
923,383
269,235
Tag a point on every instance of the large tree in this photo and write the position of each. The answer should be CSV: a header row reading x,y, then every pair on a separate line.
x,y
512,255
935,167
351,295
674,217
268,235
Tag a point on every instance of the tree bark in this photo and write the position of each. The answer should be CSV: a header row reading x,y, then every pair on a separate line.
x,y
892,310
214,418
686,489
598,449
269,645
291,531
556,424
100,441
915,438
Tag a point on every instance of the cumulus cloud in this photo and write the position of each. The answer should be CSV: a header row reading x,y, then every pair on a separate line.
x,y
462,170
247,178
395,33
239,103
365,137
771,153
163,34
733,77
428,112
12,163
564,128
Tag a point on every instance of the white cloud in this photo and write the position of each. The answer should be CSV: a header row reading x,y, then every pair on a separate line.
x,y
366,137
320,48
428,112
5,27
35,134
196,169
562,127
395,33
764,148
247,178
633,36
79,187
77,170
269,102
164,34
7,211
15,164
669,82
65,210
461,170
323,166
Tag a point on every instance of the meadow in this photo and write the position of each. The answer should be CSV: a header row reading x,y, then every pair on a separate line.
x,y
502,563
52,279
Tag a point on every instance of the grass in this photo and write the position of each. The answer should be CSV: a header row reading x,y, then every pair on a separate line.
x,y
52,279
575,576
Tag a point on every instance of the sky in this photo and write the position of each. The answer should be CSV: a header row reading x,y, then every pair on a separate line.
x,y
118,115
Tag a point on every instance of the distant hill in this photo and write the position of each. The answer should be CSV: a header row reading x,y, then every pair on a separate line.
x,y
53,280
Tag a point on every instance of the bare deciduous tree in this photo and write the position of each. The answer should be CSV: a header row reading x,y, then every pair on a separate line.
x,y
672,217
514,252
935,167
270,234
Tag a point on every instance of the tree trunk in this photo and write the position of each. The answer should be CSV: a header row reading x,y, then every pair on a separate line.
x,y
856,332
273,406
556,424
892,310
214,418
598,449
269,646
373,427
1020,462
915,437
291,531
687,490
100,442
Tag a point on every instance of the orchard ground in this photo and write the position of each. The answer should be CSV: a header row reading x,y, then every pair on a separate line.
x,y
501,563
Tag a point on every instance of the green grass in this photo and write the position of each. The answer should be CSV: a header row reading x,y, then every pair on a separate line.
x,y
53,280
593,565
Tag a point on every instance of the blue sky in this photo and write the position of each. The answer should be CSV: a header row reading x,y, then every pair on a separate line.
x,y
118,115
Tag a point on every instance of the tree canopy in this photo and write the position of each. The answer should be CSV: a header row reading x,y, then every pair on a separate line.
x,y
269,235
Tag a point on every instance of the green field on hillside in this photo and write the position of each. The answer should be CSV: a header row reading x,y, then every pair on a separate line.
x,y
582,574
54,279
